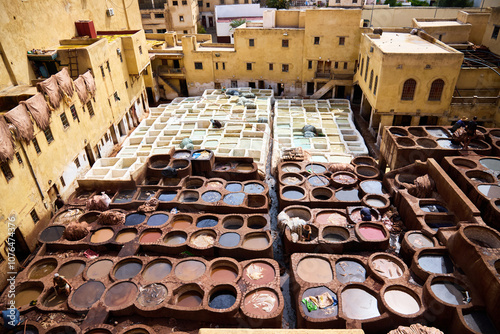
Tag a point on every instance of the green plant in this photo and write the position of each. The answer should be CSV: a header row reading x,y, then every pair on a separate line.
x,y
278,4
236,23
201,29
392,3
419,3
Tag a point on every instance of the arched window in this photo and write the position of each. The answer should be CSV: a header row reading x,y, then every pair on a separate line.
x,y
371,80
408,90
362,64
375,86
436,90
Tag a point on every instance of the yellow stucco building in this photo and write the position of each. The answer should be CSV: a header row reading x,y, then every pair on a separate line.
x,y
79,133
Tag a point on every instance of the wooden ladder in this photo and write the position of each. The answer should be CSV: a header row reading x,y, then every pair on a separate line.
x,y
73,64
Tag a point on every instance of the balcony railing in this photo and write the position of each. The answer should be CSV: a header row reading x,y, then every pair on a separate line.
x,y
322,75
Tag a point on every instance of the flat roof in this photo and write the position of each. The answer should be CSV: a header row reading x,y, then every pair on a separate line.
x,y
438,23
391,42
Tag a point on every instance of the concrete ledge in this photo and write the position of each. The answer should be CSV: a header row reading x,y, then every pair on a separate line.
x,y
278,331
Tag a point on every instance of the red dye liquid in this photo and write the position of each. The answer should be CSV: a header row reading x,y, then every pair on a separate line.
x,y
371,233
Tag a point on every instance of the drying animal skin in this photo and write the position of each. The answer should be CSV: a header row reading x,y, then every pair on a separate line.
x,y
203,240
263,300
254,272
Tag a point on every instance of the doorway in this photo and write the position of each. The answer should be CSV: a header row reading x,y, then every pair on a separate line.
x,y
323,68
358,93
22,250
184,88
113,134
310,88
176,63
210,21
339,92
261,84
90,155
281,89
251,84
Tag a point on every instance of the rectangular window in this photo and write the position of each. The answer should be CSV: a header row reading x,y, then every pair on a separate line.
x,y
310,65
184,2
354,1
90,108
251,42
200,3
234,84
64,120
249,66
223,66
102,71
271,66
181,18
145,16
216,65
336,65
161,31
208,4
19,159
367,67
48,135
63,183
236,2
159,15
73,112
77,162
316,40
174,3
198,66
284,43
337,1
107,65
222,2
496,30
115,95
245,1
345,65
34,216
7,172
341,40
126,84
37,147
284,68
140,49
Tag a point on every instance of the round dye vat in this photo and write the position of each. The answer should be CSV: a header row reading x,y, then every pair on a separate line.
x,y
23,329
203,239
127,269
223,274
418,240
315,270
350,271
446,143
120,294
327,312
51,234
214,184
125,236
351,195
253,188
359,304
259,273
244,168
437,264
234,198
222,299
315,168
68,216
134,219
261,303
233,223
375,202
482,237
181,155
207,221
344,178
331,219
491,163
87,294
62,330
480,322
99,269
190,299
290,168
318,181
149,236
189,270
401,301
234,187
137,331
229,239
371,233
334,237
293,193
54,299
157,220
292,179
175,238
372,187
449,292
387,268
102,235
255,241
72,269
26,296
211,196
182,222
152,295
256,222
42,269
167,196
488,190
157,270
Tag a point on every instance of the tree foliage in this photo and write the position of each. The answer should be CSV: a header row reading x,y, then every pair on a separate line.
x,y
455,3
278,4
236,23
419,3
392,3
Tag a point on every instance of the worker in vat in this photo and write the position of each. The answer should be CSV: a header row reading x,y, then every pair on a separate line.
x,y
61,285
366,214
470,131
461,123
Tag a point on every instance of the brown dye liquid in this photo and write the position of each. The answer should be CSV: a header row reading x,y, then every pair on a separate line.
x,y
102,235
87,294
190,270
189,299
125,236
157,271
54,300
72,269
42,270
261,303
24,297
223,274
181,224
315,270
256,242
120,294
150,236
99,269
243,168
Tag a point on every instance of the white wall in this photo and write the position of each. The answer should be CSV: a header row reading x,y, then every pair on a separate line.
x,y
235,11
